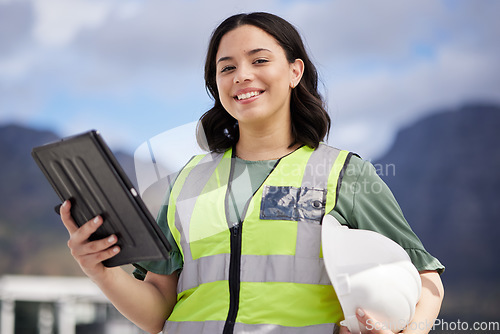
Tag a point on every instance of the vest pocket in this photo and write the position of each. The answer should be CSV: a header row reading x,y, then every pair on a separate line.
x,y
291,203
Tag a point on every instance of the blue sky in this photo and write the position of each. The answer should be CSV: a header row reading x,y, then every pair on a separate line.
x,y
134,69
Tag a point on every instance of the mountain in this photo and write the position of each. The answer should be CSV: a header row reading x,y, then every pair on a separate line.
x,y
31,234
444,172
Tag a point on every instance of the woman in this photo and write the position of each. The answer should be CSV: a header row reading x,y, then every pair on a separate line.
x,y
245,219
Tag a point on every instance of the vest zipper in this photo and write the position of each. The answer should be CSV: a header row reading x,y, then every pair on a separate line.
x,y
235,257
234,278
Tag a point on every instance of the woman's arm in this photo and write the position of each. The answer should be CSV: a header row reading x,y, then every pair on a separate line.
x,y
146,303
429,304
426,311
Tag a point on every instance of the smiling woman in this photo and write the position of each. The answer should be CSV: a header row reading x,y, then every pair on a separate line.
x,y
244,220
260,45
255,83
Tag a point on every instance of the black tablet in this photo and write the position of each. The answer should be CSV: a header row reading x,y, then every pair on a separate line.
x,y
83,169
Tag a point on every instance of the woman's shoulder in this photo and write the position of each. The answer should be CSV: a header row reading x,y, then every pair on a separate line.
x,y
357,166
354,164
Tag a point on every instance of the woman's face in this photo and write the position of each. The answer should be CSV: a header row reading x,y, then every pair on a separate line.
x,y
254,77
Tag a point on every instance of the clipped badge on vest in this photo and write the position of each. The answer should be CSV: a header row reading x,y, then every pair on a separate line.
x,y
290,203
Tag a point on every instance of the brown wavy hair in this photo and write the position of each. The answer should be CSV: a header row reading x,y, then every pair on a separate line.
x,y
310,120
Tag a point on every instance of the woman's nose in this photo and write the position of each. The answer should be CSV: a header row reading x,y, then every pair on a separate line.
x,y
243,73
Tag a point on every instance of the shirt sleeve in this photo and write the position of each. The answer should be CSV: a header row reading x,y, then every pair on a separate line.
x,y
167,266
366,202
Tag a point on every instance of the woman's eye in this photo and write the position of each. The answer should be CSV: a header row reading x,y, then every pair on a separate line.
x,y
227,68
260,61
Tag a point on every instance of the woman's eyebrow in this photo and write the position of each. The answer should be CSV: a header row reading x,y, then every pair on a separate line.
x,y
251,52
254,51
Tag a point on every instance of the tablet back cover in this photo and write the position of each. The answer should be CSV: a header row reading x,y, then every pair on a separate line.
x,y
83,169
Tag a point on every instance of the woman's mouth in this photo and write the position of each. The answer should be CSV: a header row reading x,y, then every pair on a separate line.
x,y
246,96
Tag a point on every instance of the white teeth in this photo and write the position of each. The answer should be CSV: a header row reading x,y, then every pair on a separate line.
x,y
247,95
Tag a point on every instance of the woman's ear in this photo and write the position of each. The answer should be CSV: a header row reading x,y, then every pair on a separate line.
x,y
297,70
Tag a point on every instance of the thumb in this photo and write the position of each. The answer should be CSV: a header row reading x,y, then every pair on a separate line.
x,y
367,321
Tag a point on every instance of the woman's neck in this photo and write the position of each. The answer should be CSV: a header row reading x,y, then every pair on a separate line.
x,y
264,144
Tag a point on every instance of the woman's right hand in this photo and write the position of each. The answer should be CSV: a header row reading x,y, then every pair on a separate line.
x,y
88,254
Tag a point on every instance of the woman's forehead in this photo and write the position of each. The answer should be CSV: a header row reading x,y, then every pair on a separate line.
x,y
244,39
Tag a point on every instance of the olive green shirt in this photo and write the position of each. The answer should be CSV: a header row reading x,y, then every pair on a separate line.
x,y
364,202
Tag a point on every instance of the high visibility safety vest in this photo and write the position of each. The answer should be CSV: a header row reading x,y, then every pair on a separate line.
x,y
265,274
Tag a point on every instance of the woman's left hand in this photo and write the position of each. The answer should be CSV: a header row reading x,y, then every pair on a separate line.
x,y
372,325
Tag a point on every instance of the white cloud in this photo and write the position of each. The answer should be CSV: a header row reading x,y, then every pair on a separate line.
x,y
160,33
387,63
384,63
16,67
16,20
377,104
128,10
347,31
59,21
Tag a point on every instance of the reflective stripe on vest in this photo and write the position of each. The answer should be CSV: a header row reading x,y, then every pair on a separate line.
x,y
210,327
283,282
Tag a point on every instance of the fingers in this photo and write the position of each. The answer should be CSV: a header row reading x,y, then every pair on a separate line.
x,y
100,249
92,247
91,259
78,233
88,254
371,324
66,218
364,319
361,315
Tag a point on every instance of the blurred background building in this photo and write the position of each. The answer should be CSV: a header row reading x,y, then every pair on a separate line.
x,y
50,304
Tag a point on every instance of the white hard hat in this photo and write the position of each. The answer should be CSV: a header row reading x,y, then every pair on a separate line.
x,y
372,272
